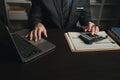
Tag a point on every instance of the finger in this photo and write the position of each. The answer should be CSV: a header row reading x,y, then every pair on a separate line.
x,y
97,29
90,27
31,35
93,30
85,29
35,35
26,36
45,33
39,34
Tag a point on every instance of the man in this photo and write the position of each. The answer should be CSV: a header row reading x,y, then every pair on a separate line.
x,y
54,13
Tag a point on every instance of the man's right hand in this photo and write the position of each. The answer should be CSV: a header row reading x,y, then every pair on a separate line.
x,y
35,34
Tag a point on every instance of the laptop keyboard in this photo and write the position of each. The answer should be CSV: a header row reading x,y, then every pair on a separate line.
x,y
25,48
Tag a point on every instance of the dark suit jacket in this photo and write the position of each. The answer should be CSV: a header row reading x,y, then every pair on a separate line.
x,y
49,13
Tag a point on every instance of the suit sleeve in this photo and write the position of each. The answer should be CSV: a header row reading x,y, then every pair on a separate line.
x,y
35,14
85,15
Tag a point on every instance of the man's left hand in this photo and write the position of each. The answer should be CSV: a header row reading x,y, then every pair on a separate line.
x,y
91,28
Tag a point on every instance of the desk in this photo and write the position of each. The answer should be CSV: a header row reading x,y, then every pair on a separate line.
x,y
61,64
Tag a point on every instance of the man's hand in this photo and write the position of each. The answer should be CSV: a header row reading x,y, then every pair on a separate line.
x,y
36,32
91,28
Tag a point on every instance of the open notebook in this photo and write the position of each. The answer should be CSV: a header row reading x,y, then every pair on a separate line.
x,y
77,45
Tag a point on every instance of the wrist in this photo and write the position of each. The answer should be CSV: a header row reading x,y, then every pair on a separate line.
x,y
39,24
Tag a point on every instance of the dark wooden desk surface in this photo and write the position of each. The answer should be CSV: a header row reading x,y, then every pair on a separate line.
x,y
61,64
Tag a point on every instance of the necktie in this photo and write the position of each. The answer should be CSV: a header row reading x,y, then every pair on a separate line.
x,y
65,8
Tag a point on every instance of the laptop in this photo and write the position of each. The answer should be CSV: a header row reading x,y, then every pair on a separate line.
x,y
26,50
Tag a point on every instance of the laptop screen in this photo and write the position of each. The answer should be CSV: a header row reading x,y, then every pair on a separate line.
x,y
13,25
3,12
4,15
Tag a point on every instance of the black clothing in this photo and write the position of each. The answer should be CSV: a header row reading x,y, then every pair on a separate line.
x,y
50,14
